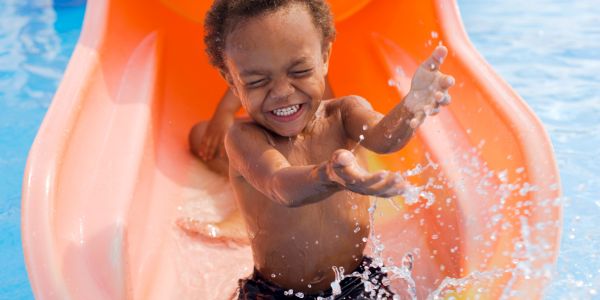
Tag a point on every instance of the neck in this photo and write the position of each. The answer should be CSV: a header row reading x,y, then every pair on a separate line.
x,y
311,125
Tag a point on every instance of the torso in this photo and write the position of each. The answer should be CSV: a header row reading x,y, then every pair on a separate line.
x,y
296,248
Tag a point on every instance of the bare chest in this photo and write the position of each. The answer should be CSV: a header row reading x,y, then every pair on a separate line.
x,y
314,146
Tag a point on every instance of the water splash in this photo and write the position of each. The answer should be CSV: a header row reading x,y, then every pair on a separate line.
x,y
458,284
361,138
404,271
498,187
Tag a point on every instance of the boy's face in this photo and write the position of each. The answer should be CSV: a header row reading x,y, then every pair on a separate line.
x,y
276,65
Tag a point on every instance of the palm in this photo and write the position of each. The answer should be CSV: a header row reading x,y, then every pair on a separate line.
x,y
429,87
346,171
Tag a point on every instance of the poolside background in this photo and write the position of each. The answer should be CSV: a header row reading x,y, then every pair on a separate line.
x,y
548,50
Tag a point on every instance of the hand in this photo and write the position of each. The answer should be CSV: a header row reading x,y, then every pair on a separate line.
x,y
429,88
344,169
211,144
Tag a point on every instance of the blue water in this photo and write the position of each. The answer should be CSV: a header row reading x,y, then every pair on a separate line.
x,y
548,50
36,41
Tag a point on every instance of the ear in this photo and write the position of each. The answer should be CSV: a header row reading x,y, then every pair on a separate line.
x,y
229,81
326,55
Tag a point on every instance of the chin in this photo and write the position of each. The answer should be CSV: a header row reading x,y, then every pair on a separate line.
x,y
287,133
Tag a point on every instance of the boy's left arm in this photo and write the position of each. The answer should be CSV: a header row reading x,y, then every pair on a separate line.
x,y
389,133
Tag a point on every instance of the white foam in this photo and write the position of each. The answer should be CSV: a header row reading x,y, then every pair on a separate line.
x,y
209,198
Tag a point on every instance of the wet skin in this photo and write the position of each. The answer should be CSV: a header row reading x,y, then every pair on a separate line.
x,y
300,244
300,190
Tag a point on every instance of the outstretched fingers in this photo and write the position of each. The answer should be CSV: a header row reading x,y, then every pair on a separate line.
x,y
417,120
430,87
435,59
212,146
446,81
346,167
392,185
357,179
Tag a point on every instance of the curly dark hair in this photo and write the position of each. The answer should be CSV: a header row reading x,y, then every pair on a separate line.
x,y
225,14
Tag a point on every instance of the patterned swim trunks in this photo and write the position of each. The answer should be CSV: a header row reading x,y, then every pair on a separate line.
x,y
366,282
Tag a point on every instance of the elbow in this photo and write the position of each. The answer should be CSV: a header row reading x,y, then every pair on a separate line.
x,y
382,149
290,193
288,202
281,192
292,204
388,148
276,193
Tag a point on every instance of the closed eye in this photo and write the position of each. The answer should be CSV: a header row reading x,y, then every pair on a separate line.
x,y
256,83
301,73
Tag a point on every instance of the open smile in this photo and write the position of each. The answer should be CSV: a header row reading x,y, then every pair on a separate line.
x,y
287,114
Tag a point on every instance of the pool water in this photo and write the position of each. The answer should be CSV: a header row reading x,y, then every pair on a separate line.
x,y
548,50
36,41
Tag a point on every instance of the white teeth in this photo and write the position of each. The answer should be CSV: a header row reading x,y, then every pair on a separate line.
x,y
286,111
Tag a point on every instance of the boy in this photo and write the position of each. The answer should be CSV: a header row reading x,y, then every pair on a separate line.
x,y
295,180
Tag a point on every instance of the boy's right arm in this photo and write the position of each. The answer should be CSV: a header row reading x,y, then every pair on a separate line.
x,y
268,171
211,144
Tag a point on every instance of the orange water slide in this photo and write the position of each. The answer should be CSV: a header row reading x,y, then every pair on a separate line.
x,y
110,165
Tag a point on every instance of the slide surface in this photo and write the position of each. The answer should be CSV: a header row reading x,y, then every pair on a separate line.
x,y
110,170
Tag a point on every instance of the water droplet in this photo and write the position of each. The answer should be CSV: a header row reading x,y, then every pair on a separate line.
x,y
400,71
502,175
300,295
435,236
357,229
407,261
273,275
391,82
434,34
354,206
365,127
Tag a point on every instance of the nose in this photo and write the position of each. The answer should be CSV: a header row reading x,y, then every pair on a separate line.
x,y
281,89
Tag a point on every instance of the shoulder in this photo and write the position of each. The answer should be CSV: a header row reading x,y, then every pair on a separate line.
x,y
243,132
349,101
347,105
245,141
354,100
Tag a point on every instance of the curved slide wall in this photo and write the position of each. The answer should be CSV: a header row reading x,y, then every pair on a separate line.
x,y
110,165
